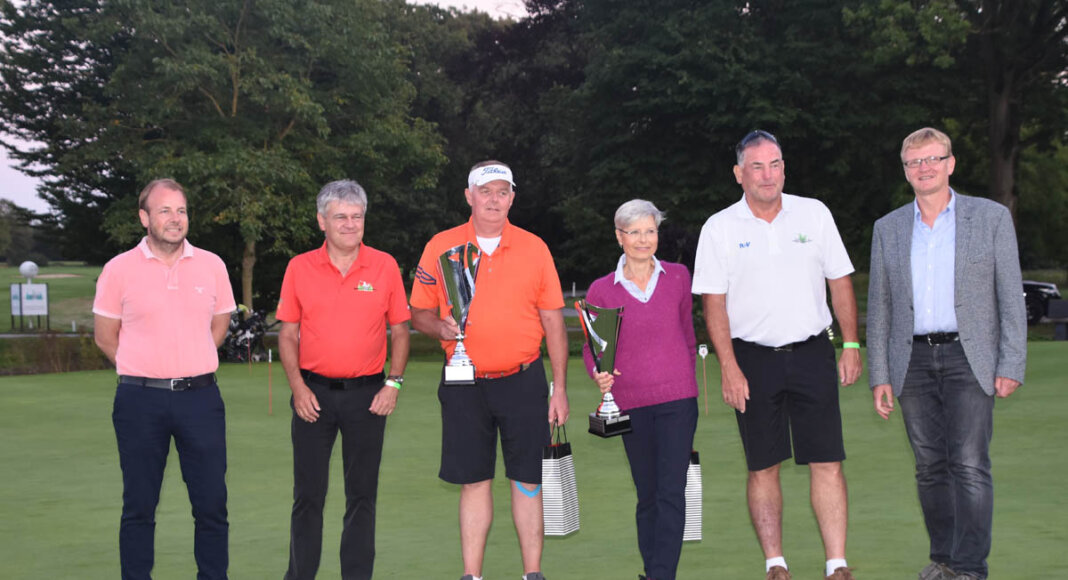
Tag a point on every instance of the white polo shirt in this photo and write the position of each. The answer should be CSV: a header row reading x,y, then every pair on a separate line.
x,y
774,274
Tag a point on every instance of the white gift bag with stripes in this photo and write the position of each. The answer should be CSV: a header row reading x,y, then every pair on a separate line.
x,y
692,530
559,490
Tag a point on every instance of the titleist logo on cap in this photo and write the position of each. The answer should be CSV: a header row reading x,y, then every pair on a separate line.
x,y
484,175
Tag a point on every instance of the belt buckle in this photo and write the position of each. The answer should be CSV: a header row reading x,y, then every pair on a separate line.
x,y
784,348
180,384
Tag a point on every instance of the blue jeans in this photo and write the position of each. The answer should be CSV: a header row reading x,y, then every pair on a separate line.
x,y
145,419
658,450
950,420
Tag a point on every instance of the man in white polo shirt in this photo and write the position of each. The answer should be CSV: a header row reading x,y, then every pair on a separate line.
x,y
762,269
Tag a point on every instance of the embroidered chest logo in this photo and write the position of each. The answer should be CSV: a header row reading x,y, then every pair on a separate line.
x,y
199,289
743,245
802,239
364,287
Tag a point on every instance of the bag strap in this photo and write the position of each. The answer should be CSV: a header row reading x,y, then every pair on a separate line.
x,y
556,438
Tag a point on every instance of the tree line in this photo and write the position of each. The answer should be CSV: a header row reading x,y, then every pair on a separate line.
x,y
254,104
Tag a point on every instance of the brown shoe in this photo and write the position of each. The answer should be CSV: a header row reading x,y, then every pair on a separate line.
x,y
778,573
937,571
842,573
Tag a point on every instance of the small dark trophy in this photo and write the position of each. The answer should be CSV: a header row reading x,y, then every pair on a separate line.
x,y
458,267
601,327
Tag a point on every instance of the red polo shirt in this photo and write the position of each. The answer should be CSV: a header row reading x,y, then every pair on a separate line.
x,y
343,319
503,326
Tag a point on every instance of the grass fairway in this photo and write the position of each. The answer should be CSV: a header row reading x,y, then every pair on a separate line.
x,y
61,491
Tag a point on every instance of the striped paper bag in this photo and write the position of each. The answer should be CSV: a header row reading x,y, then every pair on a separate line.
x,y
692,531
560,510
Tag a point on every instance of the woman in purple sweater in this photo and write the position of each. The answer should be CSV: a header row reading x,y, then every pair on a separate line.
x,y
654,380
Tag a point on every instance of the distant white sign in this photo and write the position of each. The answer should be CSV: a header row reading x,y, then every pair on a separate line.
x,y
34,299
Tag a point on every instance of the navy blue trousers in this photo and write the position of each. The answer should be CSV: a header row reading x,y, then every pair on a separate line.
x,y
658,449
145,419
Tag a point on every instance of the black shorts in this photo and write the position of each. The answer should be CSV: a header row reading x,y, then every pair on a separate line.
x,y
471,415
794,391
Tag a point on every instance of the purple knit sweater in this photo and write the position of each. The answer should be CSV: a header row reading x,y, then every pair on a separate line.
x,y
656,354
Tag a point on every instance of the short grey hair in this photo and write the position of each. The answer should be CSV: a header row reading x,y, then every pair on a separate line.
x,y
635,210
345,191
753,139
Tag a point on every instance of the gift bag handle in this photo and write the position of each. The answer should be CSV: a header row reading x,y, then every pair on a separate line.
x,y
555,438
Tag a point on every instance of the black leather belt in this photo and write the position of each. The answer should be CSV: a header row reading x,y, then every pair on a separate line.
x,y
375,380
182,384
786,347
936,338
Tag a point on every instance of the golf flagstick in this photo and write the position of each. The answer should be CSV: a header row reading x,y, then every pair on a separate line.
x,y
703,351
270,397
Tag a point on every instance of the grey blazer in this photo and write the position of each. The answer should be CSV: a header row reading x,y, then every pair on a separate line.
x,y
988,294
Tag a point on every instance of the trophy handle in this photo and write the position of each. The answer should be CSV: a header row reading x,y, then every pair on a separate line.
x,y
592,339
472,257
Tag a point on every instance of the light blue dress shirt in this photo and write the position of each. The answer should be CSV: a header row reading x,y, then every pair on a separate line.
x,y
631,287
933,254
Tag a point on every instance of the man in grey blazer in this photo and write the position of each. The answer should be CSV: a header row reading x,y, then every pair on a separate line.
x,y
947,331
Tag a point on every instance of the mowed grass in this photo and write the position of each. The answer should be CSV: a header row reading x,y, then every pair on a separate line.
x,y
60,495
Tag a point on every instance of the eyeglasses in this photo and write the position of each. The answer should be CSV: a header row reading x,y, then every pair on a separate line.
x,y
931,161
638,233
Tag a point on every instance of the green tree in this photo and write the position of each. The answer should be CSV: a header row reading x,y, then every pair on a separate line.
x,y
55,60
1043,208
1000,71
22,236
670,87
253,106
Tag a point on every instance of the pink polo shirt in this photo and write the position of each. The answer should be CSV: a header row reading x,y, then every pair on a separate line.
x,y
166,311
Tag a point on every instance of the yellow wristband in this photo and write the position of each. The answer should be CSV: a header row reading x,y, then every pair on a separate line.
x,y
850,345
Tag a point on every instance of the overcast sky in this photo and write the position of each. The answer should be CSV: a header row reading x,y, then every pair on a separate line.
x,y
22,190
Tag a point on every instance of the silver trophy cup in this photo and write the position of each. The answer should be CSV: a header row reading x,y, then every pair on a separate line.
x,y
458,267
601,327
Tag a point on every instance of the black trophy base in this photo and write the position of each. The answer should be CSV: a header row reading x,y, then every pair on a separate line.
x,y
609,427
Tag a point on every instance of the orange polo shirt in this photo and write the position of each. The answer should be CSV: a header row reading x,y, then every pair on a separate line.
x,y
343,319
165,311
503,326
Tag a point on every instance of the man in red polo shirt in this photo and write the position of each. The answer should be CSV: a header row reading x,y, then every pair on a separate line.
x,y
336,303
160,312
517,302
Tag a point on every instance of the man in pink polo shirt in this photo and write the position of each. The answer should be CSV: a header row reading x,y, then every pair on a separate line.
x,y
161,311
335,306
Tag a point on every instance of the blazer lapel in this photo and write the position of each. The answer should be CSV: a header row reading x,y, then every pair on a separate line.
x,y
904,264
960,246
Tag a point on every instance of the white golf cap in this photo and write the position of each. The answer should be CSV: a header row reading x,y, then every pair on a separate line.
x,y
488,173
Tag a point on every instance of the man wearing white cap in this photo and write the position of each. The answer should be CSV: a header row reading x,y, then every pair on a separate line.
x,y
517,302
